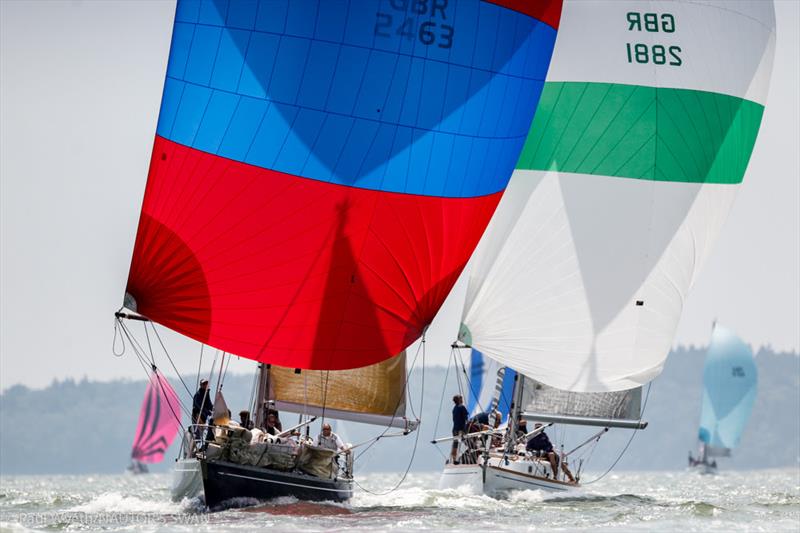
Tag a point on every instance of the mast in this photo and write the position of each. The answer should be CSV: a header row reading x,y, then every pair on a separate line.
x,y
513,415
260,408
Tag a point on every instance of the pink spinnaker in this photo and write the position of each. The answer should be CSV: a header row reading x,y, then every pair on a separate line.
x,y
159,421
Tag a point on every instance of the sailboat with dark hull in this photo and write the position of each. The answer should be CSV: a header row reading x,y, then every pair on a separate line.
x,y
289,465
319,178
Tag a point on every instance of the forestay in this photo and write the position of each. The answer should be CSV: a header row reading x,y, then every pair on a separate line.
x,y
729,390
640,142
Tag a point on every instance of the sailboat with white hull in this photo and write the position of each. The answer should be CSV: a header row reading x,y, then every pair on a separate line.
x,y
319,178
632,163
496,462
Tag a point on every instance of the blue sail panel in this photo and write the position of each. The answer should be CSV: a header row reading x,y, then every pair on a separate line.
x,y
730,379
486,389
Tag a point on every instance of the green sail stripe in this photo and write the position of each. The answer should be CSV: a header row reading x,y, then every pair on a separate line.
x,y
642,132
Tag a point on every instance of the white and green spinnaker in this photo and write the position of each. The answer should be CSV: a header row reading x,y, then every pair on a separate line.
x,y
642,136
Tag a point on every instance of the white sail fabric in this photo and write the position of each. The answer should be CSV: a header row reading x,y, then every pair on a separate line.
x,y
628,174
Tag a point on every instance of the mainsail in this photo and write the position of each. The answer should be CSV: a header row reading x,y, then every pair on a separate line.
x,y
374,394
491,386
323,170
729,391
642,137
611,409
159,421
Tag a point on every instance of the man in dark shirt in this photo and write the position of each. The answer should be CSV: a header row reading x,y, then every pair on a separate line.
x,y
541,446
244,419
201,404
272,426
460,416
202,409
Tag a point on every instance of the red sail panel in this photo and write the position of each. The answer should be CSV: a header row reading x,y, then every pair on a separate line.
x,y
321,175
287,270
159,421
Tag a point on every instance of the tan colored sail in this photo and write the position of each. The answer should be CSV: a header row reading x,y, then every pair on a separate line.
x,y
372,394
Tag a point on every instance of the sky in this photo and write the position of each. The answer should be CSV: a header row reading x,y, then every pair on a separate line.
x,y
80,86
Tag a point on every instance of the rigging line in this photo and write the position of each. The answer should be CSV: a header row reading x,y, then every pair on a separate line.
x,y
137,350
169,358
409,370
199,366
155,367
441,399
324,393
469,385
166,399
225,373
220,375
142,360
256,379
416,439
114,341
633,434
413,364
149,346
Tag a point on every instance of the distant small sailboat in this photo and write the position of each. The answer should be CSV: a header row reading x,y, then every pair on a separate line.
x,y
730,380
159,423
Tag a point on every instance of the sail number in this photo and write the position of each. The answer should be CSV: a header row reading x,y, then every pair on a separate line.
x,y
738,372
404,21
656,54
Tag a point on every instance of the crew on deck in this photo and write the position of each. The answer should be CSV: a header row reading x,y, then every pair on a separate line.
x,y
273,425
329,440
541,446
460,416
244,419
201,407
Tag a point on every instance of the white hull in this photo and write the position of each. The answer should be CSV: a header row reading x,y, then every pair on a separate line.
x,y
187,479
501,478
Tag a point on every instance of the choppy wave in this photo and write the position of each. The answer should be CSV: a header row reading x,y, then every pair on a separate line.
x,y
673,501
120,503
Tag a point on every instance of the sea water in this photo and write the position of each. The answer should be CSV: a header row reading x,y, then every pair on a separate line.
x,y
758,500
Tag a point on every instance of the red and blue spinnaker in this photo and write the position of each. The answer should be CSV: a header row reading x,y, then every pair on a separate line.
x,y
323,170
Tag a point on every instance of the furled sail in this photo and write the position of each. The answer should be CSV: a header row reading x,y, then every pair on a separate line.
x,y
729,391
322,170
159,421
642,137
374,394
